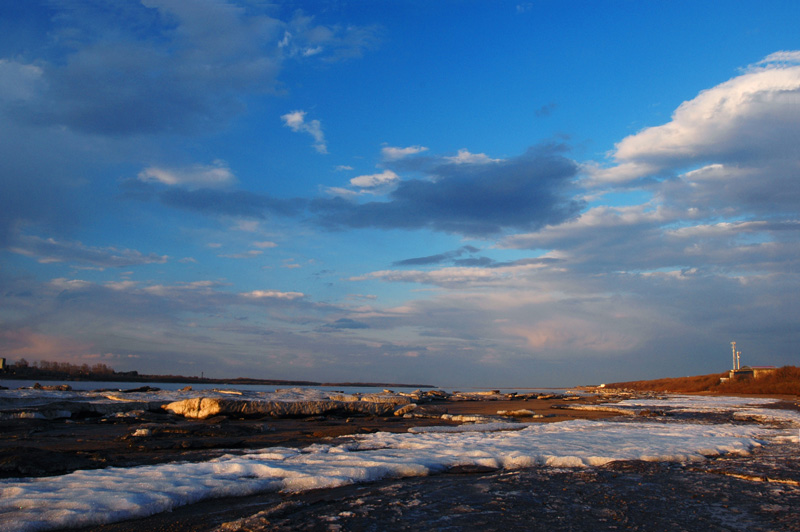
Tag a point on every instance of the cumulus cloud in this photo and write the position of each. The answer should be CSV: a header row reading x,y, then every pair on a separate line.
x,y
528,191
751,119
296,121
721,177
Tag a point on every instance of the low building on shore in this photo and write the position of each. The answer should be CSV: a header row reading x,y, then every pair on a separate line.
x,y
751,372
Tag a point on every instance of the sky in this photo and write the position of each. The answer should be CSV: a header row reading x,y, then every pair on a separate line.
x,y
456,193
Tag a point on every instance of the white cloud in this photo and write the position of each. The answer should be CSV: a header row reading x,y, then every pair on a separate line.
x,y
273,294
62,283
265,244
390,153
215,175
781,58
121,285
466,157
383,180
296,121
454,277
341,192
752,118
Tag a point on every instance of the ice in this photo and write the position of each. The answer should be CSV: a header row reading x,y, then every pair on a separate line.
x,y
93,497
743,408
477,427
48,404
697,403
97,496
770,415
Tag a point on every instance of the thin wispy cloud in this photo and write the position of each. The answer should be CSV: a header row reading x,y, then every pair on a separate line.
x,y
392,153
50,250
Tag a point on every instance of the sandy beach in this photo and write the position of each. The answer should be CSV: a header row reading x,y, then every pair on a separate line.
x,y
755,492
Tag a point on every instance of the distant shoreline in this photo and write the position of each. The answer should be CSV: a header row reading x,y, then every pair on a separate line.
x,y
180,379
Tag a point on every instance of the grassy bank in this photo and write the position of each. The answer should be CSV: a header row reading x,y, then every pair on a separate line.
x,y
783,381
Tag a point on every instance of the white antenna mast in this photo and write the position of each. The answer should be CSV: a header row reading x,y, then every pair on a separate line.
x,y
733,346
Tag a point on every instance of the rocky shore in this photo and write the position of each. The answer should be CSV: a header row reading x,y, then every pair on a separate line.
x,y
60,436
758,492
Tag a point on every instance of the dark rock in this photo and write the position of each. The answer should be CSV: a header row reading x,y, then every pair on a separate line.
x,y
143,389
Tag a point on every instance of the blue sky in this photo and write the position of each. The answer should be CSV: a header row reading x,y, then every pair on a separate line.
x,y
456,193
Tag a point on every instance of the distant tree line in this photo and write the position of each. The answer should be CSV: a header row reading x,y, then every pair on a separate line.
x,y
62,370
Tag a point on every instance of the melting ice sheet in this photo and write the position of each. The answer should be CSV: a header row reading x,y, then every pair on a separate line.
x,y
99,496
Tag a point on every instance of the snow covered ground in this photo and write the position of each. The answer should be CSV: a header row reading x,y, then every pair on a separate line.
x,y
100,496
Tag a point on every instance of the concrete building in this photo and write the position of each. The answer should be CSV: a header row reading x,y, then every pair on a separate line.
x,y
754,372
745,372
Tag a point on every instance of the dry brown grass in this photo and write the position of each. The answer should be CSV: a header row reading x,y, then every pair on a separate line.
x,y
783,381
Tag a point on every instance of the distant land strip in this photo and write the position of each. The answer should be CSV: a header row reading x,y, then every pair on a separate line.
x,y
68,372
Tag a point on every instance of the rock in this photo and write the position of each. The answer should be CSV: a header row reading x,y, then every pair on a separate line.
x,y
186,389
205,407
68,409
53,388
344,397
516,413
405,409
142,389
371,398
388,399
